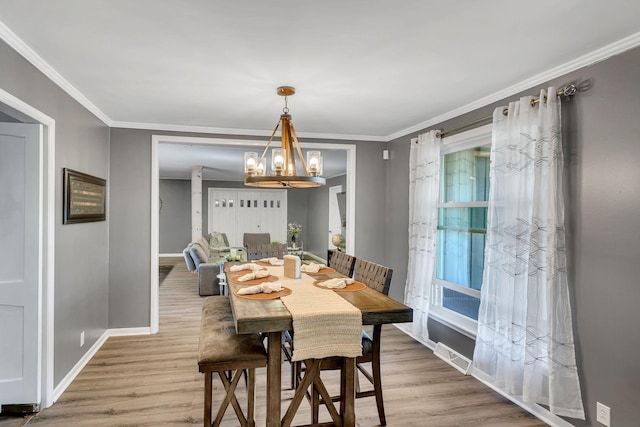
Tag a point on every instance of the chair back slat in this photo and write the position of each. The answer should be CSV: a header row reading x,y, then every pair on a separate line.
x,y
342,263
256,239
374,275
255,252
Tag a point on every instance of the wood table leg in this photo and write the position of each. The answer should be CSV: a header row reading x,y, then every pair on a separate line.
x,y
274,381
349,393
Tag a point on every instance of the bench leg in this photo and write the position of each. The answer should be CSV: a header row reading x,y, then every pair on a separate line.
x,y
208,396
230,388
251,393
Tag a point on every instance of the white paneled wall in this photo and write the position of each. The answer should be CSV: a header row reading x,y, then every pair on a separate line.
x,y
239,211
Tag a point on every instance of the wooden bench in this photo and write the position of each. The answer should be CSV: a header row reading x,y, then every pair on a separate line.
x,y
222,350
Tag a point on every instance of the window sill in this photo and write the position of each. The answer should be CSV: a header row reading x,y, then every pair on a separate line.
x,y
458,323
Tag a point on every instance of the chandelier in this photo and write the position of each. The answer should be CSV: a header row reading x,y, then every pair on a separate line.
x,y
284,169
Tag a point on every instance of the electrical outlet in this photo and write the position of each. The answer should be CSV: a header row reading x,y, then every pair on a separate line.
x,y
82,339
603,414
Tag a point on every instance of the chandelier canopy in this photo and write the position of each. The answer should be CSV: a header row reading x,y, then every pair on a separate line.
x,y
284,169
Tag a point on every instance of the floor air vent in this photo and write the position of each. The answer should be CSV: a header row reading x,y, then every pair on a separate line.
x,y
453,358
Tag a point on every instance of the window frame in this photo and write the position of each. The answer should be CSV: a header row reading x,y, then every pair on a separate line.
x,y
463,141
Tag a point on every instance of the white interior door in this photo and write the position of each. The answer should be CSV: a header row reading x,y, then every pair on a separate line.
x,y
273,214
20,261
335,225
239,211
222,213
249,212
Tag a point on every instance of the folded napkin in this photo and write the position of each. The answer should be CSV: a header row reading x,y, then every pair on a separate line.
x,y
258,274
248,266
312,267
336,283
273,261
265,288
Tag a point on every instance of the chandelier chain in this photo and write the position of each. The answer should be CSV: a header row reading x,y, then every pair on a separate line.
x,y
286,107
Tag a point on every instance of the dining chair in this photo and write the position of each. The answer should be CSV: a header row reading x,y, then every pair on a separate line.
x,y
270,250
378,278
256,239
373,275
342,263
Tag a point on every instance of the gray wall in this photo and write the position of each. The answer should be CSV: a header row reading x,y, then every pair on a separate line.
x,y
81,250
175,215
601,129
371,214
130,233
318,213
298,211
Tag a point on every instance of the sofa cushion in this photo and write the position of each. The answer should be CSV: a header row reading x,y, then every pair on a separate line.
x,y
191,266
217,240
204,243
199,256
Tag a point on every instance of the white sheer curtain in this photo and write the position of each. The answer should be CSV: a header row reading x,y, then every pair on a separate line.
x,y
424,191
525,341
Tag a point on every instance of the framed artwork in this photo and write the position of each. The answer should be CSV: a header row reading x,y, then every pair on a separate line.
x,y
83,197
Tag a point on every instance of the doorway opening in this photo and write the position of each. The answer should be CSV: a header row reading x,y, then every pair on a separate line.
x,y
158,140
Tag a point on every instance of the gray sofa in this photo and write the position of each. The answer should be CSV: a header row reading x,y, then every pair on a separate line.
x,y
204,257
199,258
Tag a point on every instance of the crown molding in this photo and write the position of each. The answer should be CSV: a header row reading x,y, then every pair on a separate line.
x,y
36,60
243,132
591,58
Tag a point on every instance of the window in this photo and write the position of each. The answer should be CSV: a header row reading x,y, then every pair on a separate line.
x,y
462,226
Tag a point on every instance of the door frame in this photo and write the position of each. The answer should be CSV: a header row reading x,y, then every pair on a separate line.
x,y
332,191
46,244
156,140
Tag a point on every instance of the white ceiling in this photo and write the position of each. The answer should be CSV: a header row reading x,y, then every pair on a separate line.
x,y
367,70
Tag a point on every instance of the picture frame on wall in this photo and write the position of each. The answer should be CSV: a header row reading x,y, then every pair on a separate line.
x,y
83,197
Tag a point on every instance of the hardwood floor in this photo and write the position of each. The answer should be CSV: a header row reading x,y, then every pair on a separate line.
x,y
154,380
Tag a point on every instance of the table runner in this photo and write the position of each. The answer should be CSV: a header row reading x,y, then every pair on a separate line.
x,y
324,324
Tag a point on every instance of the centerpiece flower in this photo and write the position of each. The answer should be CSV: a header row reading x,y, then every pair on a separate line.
x,y
293,230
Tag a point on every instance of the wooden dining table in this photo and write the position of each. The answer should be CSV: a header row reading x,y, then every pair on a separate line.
x,y
270,316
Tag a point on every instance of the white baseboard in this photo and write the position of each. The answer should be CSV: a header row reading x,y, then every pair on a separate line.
x,y
170,255
73,373
125,332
